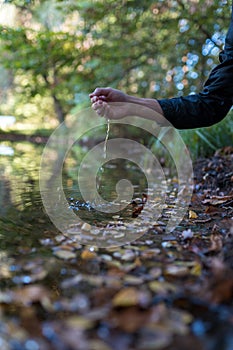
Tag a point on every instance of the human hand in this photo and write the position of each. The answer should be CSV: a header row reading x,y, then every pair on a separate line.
x,y
109,103
115,104
108,94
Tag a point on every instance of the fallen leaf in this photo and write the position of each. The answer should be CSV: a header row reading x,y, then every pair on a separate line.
x,y
88,255
192,214
179,271
79,322
33,294
129,297
216,242
162,287
129,320
196,269
64,254
133,280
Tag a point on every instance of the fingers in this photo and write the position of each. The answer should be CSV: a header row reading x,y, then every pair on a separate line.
x,y
100,91
97,98
99,106
102,109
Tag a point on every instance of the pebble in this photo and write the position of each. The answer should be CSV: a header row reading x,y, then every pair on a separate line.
x,y
128,256
119,235
106,257
187,234
64,254
86,227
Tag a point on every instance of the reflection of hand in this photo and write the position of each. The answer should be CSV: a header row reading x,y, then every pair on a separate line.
x,y
110,103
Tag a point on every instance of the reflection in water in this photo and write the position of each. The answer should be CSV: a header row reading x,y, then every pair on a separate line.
x,y
6,121
22,216
26,231
6,150
23,222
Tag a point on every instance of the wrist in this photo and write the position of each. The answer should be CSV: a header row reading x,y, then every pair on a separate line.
x,y
147,108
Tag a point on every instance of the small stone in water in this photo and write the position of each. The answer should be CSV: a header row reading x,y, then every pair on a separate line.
x,y
95,232
128,256
119,235
106,257
116,216
64,254
86,227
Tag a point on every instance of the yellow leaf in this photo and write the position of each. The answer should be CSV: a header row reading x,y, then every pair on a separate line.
x,y
88,255
192,214
126,297
130,297
196,269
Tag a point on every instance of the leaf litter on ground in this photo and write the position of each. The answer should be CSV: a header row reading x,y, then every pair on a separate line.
x,y
159,292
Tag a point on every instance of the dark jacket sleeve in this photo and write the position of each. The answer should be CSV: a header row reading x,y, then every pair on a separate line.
x,y
213,103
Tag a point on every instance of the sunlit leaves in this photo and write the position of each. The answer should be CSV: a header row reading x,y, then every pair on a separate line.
x,y
137,46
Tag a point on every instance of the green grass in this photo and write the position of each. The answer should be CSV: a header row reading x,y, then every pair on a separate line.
x,y
204,142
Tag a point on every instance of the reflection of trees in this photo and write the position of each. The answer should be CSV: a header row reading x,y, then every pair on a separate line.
x,y
19,179
65,49
22,218
5,194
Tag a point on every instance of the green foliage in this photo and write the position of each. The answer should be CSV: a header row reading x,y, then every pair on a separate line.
x,y
205,141
59,51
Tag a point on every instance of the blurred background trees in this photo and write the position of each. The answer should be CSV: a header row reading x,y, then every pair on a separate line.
x,y
53,53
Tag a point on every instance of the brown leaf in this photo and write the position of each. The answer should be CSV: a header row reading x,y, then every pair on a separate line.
x,y
130,296
216,241
33,294
222,291
102,295
88,255
129,320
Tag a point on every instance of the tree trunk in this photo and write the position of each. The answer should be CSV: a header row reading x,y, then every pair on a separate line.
x,y
58,110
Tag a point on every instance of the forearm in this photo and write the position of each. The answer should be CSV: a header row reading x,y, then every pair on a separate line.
x,y
146,102
146,108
